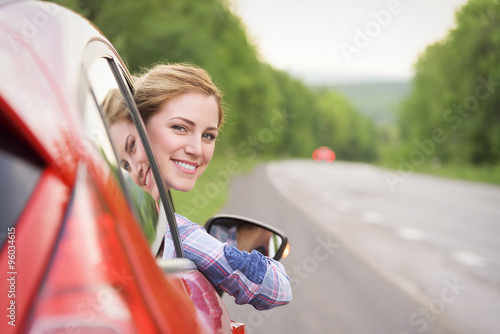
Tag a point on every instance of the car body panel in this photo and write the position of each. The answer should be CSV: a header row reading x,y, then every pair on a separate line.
x,y
209,306
44,106
81,260
93,279
48,212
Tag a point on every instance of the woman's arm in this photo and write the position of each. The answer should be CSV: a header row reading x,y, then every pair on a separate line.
x,y
251,278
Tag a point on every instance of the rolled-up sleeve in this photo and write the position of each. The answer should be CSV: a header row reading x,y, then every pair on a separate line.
x,y
251,278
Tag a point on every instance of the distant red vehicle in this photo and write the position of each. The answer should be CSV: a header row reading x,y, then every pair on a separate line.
x,y
323,154
77,237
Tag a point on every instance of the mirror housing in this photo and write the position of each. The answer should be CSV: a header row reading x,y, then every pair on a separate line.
x,y
248,234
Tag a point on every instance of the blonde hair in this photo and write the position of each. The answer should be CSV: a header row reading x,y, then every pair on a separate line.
x,y
114,107
163,83
158,86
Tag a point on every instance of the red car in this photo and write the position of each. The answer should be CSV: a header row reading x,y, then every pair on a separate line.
x,y
77,237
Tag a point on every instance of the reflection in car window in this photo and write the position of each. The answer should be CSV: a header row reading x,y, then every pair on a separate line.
x,y
145,206
21,169
102,82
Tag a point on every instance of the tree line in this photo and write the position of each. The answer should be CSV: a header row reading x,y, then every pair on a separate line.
x,y
269,113
453,111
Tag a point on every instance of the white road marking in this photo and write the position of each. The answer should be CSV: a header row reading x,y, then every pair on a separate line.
x,y
468,258
410,233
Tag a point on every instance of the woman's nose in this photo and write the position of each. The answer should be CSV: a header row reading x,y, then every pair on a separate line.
x,y
135,171
139,160
193,147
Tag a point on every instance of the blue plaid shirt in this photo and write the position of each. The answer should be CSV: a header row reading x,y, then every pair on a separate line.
x,y
251,278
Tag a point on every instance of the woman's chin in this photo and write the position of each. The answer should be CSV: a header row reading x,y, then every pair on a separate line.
x,y
184,187
155,194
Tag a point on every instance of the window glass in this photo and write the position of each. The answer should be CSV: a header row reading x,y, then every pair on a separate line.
x,y
21,169
103,83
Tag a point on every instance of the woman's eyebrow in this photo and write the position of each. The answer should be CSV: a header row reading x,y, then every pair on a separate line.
x,y
127,143
190,122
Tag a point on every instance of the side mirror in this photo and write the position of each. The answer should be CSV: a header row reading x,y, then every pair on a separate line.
x,y
247,234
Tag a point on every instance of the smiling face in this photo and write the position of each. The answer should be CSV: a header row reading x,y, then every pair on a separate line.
x,y
132,156
182,135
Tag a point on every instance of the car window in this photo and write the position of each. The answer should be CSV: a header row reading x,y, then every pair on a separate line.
x,y
21,169
102,82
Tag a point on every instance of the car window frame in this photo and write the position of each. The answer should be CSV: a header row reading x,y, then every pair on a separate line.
x,y
98,48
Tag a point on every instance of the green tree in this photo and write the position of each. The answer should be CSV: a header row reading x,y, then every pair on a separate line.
x,y
351,135
268,112
456,91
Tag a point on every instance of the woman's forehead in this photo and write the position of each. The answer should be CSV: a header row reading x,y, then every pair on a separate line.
x,y
193,106
120,131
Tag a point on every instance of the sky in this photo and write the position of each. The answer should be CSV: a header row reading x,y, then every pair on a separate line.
x,y
335,41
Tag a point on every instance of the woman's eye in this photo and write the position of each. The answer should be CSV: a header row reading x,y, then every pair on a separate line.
x,y
209,136
132,146
126,165
179,128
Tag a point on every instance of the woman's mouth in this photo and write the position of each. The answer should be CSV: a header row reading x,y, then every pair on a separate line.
x,y
147,178
186,166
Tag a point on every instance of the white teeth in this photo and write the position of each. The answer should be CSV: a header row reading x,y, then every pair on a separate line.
x,y
148,175
184,165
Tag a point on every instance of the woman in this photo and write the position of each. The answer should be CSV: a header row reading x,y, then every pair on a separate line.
x,y
182,110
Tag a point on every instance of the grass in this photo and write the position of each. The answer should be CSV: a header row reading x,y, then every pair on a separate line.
x,y
392,158
484,174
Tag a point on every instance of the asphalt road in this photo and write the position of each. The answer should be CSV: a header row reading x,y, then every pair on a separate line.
x,y
374,252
